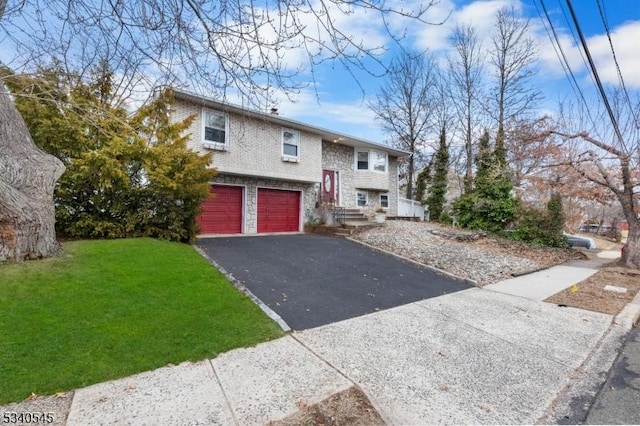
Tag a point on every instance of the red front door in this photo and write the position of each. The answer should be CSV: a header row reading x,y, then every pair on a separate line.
x,y
329,187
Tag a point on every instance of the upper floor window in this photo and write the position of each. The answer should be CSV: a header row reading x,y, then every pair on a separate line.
x,y
371,160
290,143
379,160
363,160
215,127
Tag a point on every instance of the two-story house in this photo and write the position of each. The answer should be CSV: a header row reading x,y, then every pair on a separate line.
x,y
274,172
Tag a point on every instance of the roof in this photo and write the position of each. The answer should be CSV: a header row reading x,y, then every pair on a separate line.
x,y
325,134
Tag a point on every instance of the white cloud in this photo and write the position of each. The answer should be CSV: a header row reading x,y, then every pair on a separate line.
x,y
625,40
350,117
322,28
479,14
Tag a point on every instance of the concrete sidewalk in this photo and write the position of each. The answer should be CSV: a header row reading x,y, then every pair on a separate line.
x,y
476,356
547,282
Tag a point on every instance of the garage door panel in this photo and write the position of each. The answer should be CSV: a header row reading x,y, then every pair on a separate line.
x,y
278,210
222,214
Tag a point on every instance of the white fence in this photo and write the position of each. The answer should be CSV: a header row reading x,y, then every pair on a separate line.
x,y
410,208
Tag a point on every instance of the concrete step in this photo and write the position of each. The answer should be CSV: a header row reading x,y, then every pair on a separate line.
x,y
358,225
353,218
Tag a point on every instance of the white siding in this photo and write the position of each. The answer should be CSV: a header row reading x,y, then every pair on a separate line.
x,y
255,148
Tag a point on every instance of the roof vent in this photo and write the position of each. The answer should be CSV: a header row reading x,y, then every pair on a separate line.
x,y
274,111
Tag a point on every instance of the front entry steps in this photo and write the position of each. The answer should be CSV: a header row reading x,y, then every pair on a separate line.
x,y
350,228
347,222
341,215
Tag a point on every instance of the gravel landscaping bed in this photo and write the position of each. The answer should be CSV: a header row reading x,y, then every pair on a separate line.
x,y
483,259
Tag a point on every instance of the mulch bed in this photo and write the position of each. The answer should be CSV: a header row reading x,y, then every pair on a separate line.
x,y
591,295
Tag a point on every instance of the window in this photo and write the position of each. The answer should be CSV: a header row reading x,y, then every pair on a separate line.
x,y
361,199
363,160
371,160
215,129
379,161
290,143
384,201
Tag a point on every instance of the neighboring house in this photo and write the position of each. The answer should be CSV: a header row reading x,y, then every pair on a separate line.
x,y
274,172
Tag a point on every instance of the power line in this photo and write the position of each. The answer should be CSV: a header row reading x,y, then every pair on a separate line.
x,y
564,62
603,17
595,74
575,39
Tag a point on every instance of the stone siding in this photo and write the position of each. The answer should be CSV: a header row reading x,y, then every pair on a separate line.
x,y
251,185
342,158
253,159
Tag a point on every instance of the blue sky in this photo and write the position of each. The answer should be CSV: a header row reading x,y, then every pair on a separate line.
x,y
336,101
339,103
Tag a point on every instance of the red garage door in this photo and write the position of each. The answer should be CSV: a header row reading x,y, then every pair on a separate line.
x,y
278,211
222,214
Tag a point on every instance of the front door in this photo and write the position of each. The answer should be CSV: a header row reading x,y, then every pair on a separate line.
x,y
330,187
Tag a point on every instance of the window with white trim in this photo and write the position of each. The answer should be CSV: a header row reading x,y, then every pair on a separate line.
x,y
379,160
363,160
384,201
371,160
361,199
290,143
214,129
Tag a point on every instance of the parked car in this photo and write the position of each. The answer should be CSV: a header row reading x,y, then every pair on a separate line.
x,y
575,241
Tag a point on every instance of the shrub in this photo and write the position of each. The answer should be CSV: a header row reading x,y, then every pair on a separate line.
x,y
475,211
542,228
490,206
127,175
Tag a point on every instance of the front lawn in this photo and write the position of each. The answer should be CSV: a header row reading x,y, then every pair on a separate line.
x,y
113,308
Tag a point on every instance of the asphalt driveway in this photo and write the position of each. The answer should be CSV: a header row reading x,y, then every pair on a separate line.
x,y
312,280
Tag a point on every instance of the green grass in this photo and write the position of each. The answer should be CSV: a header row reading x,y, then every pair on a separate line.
x,y
113,308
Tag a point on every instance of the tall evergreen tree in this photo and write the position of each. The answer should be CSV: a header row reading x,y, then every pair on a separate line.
x,y
438,189
126,175
491,205
423,181
483,159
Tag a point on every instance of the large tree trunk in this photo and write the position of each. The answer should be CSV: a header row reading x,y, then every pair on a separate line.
x,y
27,179
631,257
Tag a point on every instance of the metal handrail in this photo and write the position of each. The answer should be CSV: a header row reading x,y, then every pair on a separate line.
x,y
339,214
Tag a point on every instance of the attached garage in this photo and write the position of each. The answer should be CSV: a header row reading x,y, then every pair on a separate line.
x,y
222,213
278,210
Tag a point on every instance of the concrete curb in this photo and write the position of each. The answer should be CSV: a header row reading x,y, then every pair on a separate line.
x,y
532,271
629,314
431,268
237,284
573,402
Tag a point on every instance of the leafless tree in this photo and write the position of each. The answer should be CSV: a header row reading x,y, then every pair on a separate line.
x,y
252,47
511,58
406,105
465,73
531,150
608,157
